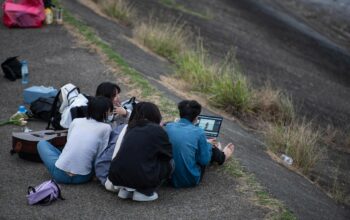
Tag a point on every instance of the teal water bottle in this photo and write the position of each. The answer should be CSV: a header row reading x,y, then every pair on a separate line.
x,y
25,72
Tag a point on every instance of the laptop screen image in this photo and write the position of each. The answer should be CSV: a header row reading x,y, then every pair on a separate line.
x,y
210,124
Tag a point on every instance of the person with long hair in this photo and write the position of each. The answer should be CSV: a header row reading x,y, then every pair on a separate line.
x,y
144,159
87,138
112,91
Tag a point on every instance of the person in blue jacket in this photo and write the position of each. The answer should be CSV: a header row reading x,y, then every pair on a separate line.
x,y
192,152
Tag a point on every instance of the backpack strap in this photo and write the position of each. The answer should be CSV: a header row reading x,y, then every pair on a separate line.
x,y
59,189
53,109
31,189
75,88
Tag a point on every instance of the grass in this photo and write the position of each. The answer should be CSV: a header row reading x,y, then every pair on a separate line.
x,y
338,191
272,105
225,85
249,186
231,90
167,40
194,67
173,4
119,9
299,140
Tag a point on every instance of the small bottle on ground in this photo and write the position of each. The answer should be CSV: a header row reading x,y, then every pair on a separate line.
x,y
59,16
287,160
21,113
24,72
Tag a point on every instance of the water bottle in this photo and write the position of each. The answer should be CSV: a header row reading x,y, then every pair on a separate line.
x,y
287,160
25,72
59,16
21,113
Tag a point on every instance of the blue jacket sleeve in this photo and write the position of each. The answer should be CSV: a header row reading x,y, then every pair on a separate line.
x,y
204,151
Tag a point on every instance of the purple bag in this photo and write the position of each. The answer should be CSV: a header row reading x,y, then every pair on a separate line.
x,y
44,194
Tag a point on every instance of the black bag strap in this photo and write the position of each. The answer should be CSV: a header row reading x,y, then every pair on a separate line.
x,y
30,189
53,109
75,88
59,190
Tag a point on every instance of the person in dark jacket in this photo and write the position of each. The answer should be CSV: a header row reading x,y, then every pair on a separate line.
x,y
144,159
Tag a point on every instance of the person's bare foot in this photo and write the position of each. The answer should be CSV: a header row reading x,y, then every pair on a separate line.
x,y
228,150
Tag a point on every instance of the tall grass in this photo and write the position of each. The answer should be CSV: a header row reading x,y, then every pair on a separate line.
x,y
298,140
224,83
119,9
167,40
231,91
272,105
195,68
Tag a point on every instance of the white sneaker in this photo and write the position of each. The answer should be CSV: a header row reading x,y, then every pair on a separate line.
x,y
125,194
143,198
110,187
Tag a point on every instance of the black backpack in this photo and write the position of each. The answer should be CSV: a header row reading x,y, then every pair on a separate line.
x,y
47,110
12,68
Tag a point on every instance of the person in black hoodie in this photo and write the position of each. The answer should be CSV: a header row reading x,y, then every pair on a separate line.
x,y
144,159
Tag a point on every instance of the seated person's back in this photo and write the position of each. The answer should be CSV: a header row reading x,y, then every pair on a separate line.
x,y
190,152
79,152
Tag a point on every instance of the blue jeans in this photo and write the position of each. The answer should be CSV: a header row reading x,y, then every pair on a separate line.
x,y
49,155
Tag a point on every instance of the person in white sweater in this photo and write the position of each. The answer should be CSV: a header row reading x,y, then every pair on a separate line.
x,y
87,138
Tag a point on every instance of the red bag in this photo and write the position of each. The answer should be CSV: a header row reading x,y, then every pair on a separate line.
x,y
23,13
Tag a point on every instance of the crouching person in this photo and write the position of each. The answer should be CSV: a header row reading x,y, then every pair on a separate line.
x,y
144,159
87,138
191,150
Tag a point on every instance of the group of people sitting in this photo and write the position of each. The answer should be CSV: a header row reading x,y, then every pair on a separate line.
x,y
132,152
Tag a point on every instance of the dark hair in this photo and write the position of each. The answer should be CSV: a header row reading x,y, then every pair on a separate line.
x,y
98,108
107,89
144,112
189,109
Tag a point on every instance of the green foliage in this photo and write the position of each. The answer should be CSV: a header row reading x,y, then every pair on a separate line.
x,y
231,91
194,68
167,40
119,9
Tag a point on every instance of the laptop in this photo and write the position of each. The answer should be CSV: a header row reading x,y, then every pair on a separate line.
x,y
210,124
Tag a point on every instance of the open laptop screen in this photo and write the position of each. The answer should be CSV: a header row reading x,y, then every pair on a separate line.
x,y
210,124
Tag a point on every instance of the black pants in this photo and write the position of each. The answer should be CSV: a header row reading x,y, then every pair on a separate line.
x,y
165,174
217,156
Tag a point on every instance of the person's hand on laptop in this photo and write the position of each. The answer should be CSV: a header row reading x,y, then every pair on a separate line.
x,y
215,143
212,141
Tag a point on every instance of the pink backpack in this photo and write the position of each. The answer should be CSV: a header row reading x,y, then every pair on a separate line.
x,y
23,13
